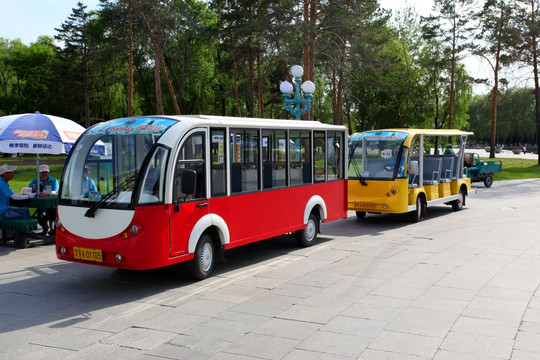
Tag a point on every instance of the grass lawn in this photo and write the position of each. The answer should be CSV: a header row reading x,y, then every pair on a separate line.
x,y
515,169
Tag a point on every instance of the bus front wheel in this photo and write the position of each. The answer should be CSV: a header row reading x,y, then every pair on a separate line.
x,y
205,257
360,215
420,211
306,237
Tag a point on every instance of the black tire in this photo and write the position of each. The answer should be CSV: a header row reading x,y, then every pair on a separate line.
x,y
306,237
418,214
205,257
360,215
459,203
488,180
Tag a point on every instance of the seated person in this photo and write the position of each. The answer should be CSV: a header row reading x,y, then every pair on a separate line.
x,y
42,184
449,150
88,185
6,211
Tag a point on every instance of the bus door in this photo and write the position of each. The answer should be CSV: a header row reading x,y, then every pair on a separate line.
x,y
189,203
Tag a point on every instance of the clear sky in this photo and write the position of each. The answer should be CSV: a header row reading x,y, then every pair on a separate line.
x,y
28,19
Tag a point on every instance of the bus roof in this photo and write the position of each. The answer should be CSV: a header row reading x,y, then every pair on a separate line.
x,y
256,122
426,132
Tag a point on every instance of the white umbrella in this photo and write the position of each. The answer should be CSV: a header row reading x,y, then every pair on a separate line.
x,y
38,134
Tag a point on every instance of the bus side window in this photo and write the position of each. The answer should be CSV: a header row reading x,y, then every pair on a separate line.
x,y
320,156
335,144
300,155
218,176
244,155
274,159
191,157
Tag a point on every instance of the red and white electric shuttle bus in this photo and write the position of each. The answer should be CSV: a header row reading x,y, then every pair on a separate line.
x,y
167,189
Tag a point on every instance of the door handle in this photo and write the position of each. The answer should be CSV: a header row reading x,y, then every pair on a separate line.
x,y
202,205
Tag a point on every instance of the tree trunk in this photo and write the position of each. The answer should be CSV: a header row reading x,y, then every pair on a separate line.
x,y
452,75
159,58
130,90
260,86
157,63
251,60
235,75
310,37
536,80
86,93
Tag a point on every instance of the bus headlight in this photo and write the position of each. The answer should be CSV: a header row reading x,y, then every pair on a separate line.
x,y
119,257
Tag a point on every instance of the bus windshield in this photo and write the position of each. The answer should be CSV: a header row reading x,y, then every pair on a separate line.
x,y
377,155
104,164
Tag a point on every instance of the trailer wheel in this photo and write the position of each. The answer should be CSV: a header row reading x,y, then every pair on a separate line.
x,y
202,264
488,180
460,202
306,237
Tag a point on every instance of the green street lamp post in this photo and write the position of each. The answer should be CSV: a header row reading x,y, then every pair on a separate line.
x,y
293,105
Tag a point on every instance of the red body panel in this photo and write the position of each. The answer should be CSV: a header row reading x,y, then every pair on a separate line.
x,y
249,217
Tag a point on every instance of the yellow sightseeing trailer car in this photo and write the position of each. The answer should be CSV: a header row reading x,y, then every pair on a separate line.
x,y
399,171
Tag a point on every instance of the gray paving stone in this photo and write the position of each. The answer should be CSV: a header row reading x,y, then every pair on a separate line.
x,y
486,327
289,329
409,344
300,354
139,338
464,342
454,355
423,322
371,354
311,314
528,341
263,346
335,344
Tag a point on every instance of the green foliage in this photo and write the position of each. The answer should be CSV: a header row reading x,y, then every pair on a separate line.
x,y
516,121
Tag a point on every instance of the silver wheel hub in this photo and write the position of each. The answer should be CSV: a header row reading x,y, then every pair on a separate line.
x,y
207,256
311,230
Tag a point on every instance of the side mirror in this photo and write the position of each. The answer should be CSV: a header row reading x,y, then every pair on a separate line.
x,y
189,182
413,167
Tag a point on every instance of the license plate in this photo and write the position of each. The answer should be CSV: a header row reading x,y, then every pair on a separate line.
x,y
364,205
87,254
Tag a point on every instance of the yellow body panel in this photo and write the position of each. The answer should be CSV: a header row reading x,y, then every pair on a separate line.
x,y
379,196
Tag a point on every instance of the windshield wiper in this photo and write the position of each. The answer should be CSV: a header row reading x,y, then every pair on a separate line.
x,y
355,167
104,199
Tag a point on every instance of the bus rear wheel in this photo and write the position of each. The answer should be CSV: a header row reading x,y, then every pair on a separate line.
x,y
460,202
205,256
306,237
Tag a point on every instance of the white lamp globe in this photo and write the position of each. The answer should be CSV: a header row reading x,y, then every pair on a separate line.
x,y
286,87
297,71
308,86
